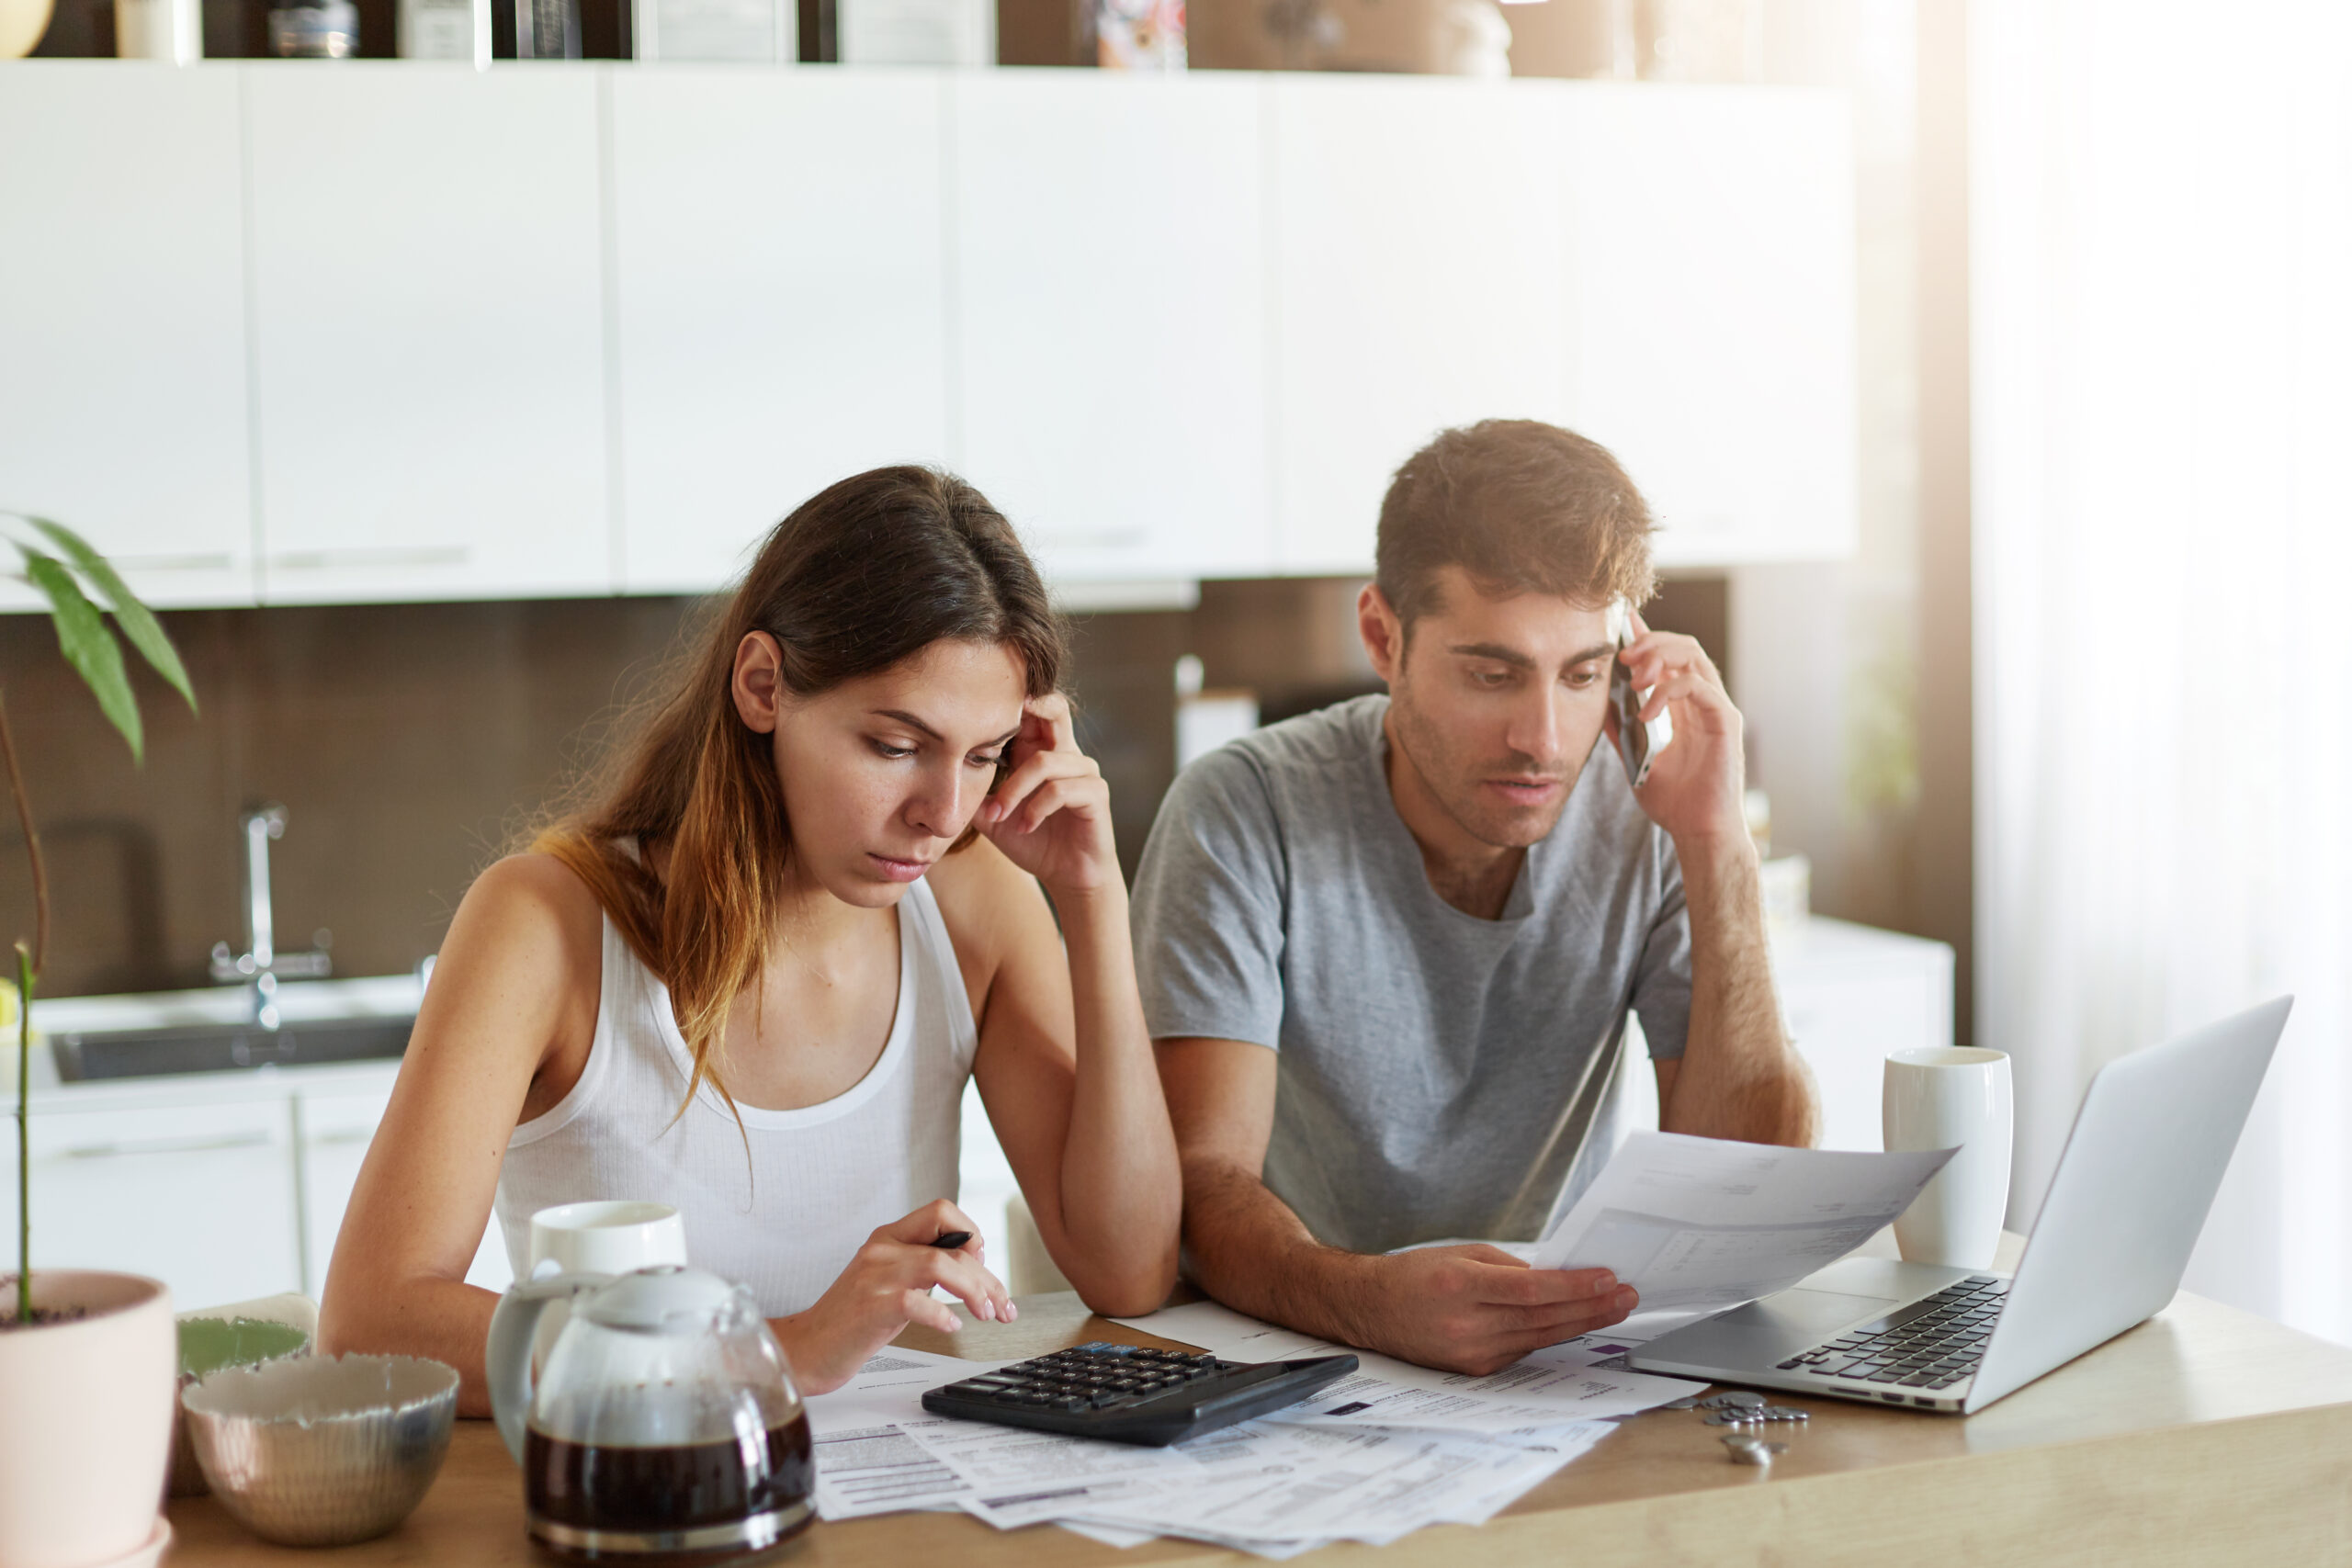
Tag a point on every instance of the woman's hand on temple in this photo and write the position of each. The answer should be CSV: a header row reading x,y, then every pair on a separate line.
x,y
885,1287
1051,812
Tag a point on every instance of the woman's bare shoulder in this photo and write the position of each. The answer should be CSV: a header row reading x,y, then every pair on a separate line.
x,y
535,903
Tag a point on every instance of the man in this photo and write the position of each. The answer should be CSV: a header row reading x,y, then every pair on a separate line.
x,y
1387,949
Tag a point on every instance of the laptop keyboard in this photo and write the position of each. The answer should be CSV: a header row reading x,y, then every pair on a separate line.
x,y
1932,1343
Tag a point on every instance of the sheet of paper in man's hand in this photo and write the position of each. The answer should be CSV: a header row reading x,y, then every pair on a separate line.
x,y
1702,1224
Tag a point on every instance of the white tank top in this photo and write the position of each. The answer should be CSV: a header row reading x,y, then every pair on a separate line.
x,y
817,1180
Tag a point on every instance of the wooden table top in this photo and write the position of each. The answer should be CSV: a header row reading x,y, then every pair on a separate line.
x,y
2205,1435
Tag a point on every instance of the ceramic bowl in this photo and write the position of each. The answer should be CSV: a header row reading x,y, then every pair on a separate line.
x,y
323,1450
211,1343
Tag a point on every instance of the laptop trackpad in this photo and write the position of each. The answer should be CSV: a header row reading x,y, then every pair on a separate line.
x,y
1819,1312
1764,1331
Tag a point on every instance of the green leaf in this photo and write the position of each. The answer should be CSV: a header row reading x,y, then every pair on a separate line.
x,y
82,638
138,623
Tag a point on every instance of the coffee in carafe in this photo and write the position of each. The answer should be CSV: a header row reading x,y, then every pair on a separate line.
x,y
664,1427
726,1492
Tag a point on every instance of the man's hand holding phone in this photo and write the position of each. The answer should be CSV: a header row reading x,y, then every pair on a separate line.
x,y
1691,782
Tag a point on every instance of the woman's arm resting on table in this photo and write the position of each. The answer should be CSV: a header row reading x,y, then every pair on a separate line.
x,y
507,991
1065,1067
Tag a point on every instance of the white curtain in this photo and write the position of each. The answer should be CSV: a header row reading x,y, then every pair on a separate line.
x,y
2161,217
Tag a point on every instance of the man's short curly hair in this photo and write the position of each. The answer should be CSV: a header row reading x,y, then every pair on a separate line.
x,y
1522,507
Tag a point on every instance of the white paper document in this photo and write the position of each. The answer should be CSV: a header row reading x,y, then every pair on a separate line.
x,y
1022,1477
1702,1224
1569,1382
1320,1483
866,1461
890,1388
881,1469
1275,1486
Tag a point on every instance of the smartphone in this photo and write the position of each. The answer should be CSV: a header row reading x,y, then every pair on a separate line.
x,y
1638,743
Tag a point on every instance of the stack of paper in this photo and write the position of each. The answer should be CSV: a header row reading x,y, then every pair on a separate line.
x,y
1277,1486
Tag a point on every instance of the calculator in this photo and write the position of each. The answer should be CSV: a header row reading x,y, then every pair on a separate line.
x,y
1133,1395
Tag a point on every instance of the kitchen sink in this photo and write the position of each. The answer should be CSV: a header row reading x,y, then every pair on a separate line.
x,y
87,1054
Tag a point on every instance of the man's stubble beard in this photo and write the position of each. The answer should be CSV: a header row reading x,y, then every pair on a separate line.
x,y
1434,763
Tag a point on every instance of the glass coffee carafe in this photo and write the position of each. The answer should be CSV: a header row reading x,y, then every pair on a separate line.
x,y
662,1426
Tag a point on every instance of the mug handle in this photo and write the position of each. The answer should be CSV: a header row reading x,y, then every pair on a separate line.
x,y
508,1354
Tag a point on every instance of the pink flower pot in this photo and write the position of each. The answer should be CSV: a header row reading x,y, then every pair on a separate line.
x,y
85,1420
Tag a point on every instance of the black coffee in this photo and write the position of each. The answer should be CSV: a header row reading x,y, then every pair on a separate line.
x,y
613,1487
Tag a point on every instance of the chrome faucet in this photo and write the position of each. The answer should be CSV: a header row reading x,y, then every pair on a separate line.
x,y
259,967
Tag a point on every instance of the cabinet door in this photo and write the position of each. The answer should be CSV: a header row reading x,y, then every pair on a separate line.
x,y
198,1196
429,331
1111,278
780,284
1420,283
1712,345
122,321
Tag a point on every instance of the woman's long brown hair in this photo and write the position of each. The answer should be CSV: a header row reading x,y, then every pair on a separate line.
x,y
867,573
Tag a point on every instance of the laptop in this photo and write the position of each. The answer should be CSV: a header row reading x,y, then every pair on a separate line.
x,y
2155,1134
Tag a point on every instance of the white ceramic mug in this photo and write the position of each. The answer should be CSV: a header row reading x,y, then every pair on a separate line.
x,y
1940,1098
604,1238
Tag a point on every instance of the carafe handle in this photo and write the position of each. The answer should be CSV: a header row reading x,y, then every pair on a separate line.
x,y
508,1355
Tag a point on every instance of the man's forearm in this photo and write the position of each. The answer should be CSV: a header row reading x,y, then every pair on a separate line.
x,y
1740,1078
1250,1252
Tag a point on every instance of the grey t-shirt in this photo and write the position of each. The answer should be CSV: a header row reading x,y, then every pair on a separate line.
x,y
1441,1075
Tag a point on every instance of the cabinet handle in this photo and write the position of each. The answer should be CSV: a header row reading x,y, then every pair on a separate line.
x,y
390,557
255,1139
349,1135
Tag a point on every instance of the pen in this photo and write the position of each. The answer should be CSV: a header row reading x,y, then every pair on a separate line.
x,y
951,1240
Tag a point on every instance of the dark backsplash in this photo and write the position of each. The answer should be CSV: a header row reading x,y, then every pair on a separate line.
x,y
406,742
411,743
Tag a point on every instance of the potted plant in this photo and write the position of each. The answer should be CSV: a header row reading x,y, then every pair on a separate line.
x,y
87,1359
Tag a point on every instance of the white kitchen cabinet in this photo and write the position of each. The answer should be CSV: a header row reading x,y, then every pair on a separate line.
x,y
1420,281
1710,291
429,352
1851,994
122,322
405,330
200,1196
1110,318
779,291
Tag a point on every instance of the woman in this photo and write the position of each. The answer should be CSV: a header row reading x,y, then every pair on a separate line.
x,y
750,978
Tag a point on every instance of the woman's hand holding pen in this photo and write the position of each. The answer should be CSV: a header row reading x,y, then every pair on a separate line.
x,y
887,1286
